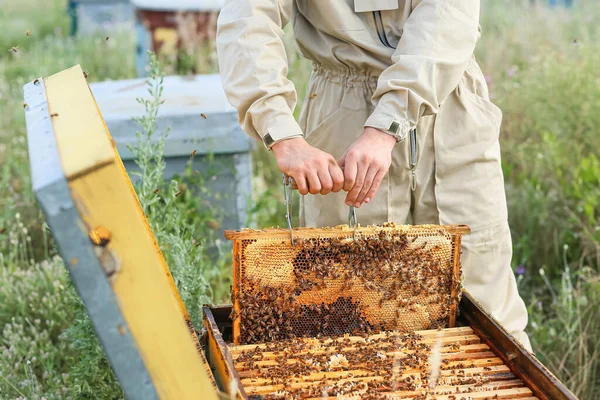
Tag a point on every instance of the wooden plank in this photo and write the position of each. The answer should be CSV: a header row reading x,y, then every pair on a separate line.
x,y
339,231
83,142
515,393
457,390
459,340
456,280
220,357
467,352
242,368
444,333
237,287
130,256
523,364
452,366
260,387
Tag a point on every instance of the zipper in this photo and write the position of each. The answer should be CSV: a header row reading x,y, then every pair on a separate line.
x,y
413,158
380,29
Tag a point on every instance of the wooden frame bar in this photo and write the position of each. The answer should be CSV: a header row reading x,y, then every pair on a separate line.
x,y
338,231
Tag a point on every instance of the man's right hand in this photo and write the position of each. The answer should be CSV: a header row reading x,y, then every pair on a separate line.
x,y
314,171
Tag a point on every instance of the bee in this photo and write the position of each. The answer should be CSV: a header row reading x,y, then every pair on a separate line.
x,y
36,82
106,38
28,32
54,115
25,105
85,74
155,191
312,96
178,193
193,154
14,49
203,116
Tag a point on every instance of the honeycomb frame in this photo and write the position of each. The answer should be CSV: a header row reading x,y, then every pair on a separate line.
x,y
409,278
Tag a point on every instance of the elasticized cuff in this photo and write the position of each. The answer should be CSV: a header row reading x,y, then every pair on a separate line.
x,y
387,123
283,128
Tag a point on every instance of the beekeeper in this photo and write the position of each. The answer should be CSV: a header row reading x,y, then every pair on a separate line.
x,y
397,121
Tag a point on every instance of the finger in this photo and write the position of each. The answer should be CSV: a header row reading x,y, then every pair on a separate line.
x,y
371,173
314,183
376,182
358,184
350,167
338,178
301,184
342,161
325,179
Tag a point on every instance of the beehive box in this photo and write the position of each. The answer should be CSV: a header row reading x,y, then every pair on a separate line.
x,y
166,26
475,360
106,243
99,16
200,118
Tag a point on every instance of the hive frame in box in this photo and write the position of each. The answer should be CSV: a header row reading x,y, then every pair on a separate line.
x,y
278,255
108,247
524,365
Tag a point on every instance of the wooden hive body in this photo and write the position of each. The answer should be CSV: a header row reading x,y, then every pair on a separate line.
x,y
477,360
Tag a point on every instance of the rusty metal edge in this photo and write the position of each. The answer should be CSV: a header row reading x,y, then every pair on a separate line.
x,y
521,362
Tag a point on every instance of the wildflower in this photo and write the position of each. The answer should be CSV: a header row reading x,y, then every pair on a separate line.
x,y
520,270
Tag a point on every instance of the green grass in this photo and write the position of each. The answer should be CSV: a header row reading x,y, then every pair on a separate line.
x,y
541,66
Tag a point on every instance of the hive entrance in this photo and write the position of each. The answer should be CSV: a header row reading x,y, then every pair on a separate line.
x,y
402,278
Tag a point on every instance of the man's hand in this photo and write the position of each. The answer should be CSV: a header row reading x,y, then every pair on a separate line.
x,y
365,164
314,171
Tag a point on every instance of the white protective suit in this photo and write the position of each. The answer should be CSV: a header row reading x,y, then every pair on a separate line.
x,y
393,65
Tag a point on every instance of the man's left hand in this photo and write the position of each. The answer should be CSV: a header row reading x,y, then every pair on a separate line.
x,y
365,164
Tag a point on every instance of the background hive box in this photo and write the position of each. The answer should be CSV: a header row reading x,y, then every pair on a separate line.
x,y
93,16
222,148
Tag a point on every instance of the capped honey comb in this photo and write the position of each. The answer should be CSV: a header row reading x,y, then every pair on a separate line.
x,y
334,281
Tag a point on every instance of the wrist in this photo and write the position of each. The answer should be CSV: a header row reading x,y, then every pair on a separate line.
x,y
285,144
378,135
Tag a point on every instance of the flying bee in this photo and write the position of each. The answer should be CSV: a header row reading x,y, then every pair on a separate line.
x,y
203,115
